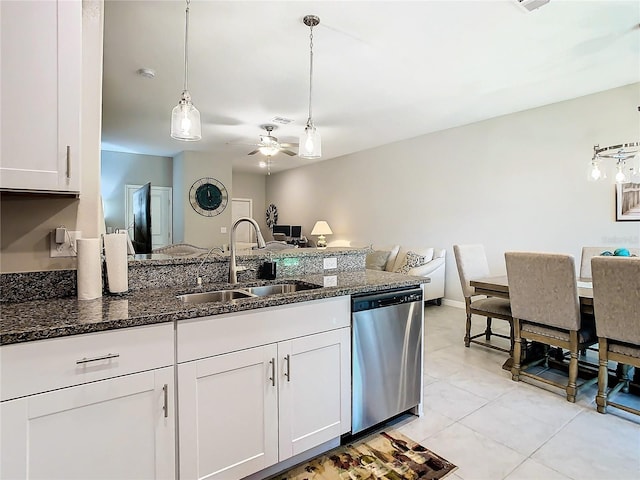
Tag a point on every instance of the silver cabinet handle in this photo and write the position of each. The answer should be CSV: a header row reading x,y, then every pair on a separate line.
x,y
273,372
165,407
108,356
68,161
288,372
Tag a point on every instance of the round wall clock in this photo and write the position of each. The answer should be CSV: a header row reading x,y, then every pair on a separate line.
x,y
272,215
208,196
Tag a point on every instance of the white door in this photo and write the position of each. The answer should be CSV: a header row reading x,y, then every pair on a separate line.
x,y
242,207
315,389
161,214
118,428
228,414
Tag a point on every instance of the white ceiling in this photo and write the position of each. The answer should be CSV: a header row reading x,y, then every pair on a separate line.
x,y
383,70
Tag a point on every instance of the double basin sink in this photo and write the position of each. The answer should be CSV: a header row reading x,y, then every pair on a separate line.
x,y
244,292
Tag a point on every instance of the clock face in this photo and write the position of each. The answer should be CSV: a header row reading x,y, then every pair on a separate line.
x,y
272,215
208,197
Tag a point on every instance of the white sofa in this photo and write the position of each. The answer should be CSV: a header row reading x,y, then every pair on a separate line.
x,y
430,263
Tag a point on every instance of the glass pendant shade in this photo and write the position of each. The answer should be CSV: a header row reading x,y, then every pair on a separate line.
x,y
185,121
310,145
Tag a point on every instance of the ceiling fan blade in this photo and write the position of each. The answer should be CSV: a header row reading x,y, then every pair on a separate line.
x,y
254,152
288,152
287,145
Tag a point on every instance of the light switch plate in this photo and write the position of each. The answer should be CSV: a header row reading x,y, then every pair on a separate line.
x,y
66,249
330,280
330,263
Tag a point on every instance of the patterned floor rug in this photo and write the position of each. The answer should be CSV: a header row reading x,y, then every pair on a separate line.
x,y
387,455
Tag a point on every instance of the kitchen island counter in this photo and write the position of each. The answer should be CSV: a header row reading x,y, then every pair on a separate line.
x,y
52,318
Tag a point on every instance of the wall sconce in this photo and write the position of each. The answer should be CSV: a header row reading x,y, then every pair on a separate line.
x,y
321,228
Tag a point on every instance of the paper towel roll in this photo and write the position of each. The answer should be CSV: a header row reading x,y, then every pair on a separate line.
x,y
115,252
89,273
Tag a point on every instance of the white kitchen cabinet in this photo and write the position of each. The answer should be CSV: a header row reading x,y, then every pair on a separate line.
x,y
228,411
315,374
117,428
99,405
243,411
41,80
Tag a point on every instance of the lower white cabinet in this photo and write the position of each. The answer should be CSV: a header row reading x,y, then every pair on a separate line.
x,y
244,411
118,428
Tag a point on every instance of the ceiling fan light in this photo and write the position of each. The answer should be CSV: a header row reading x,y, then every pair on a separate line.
x,y
185,120
268,150
310,145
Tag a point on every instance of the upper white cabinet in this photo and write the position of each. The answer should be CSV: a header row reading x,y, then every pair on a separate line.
x,y
40,95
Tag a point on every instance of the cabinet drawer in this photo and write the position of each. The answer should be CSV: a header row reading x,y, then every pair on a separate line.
x,y
43,365
218,334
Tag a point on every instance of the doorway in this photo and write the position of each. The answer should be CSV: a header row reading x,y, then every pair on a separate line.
x,y
242,207
161,214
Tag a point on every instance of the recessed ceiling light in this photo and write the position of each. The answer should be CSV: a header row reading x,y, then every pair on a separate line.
x,y
281,120
146,72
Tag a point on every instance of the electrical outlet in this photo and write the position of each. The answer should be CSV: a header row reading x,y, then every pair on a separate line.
x,y
66,249
330,263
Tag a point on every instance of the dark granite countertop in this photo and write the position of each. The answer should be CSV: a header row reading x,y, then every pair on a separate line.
x,y
43,319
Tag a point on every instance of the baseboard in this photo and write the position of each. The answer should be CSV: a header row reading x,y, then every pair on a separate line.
x,y
453,303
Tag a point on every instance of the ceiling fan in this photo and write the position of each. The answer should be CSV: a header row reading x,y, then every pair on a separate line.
x,y
269,144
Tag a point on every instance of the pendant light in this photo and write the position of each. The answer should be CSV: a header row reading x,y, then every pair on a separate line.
x,y
310,144
185,117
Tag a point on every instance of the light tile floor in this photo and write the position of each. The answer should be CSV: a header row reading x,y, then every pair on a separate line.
x,y
494,428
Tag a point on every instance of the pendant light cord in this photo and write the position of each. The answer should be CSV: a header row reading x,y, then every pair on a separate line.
x,y
186,46
309,121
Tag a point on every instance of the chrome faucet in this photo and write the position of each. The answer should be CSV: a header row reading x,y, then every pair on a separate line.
x,y
233,268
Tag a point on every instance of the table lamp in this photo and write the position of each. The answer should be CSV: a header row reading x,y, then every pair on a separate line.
x,y
321,228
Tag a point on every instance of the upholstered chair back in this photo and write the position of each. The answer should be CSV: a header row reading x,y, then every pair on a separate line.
x,y
589,252
543,289
616,298
472,263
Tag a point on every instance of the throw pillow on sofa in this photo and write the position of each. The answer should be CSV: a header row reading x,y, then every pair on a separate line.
x,y
412,260
376,260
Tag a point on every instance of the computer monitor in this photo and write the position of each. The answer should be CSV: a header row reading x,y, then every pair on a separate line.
x,y
296,231
284,229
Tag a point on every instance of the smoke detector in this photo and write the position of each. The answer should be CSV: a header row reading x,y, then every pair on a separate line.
x,y
531,5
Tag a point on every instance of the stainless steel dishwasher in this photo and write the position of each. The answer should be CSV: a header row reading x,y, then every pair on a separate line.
x,y
386,346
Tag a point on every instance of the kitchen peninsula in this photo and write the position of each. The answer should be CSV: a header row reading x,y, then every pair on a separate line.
x,y
239,385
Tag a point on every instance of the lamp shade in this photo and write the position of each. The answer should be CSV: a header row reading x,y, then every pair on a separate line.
x,y
185,122
321,228
310,145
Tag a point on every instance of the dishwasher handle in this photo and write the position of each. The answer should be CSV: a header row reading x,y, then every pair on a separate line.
x,y
385,299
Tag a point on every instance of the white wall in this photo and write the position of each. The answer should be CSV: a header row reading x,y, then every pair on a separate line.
x,y
516,182
119,169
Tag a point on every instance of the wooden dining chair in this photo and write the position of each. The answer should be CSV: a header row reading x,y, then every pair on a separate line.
x,y
616,304
471,261
546,309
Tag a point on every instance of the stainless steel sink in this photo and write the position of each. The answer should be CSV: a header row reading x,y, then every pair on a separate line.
x,y
264,290
244,292
216,296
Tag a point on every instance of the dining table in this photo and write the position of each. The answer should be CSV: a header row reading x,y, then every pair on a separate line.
x,y
498,286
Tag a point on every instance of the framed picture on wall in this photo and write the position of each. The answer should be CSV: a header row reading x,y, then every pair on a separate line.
x,y
628,202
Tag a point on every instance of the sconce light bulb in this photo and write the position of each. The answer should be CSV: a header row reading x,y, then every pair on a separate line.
x,y
620,176
595,172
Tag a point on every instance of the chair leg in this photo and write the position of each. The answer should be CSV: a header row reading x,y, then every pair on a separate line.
x,y
487,332
517,351
626,377
573,367
603,376
467,335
